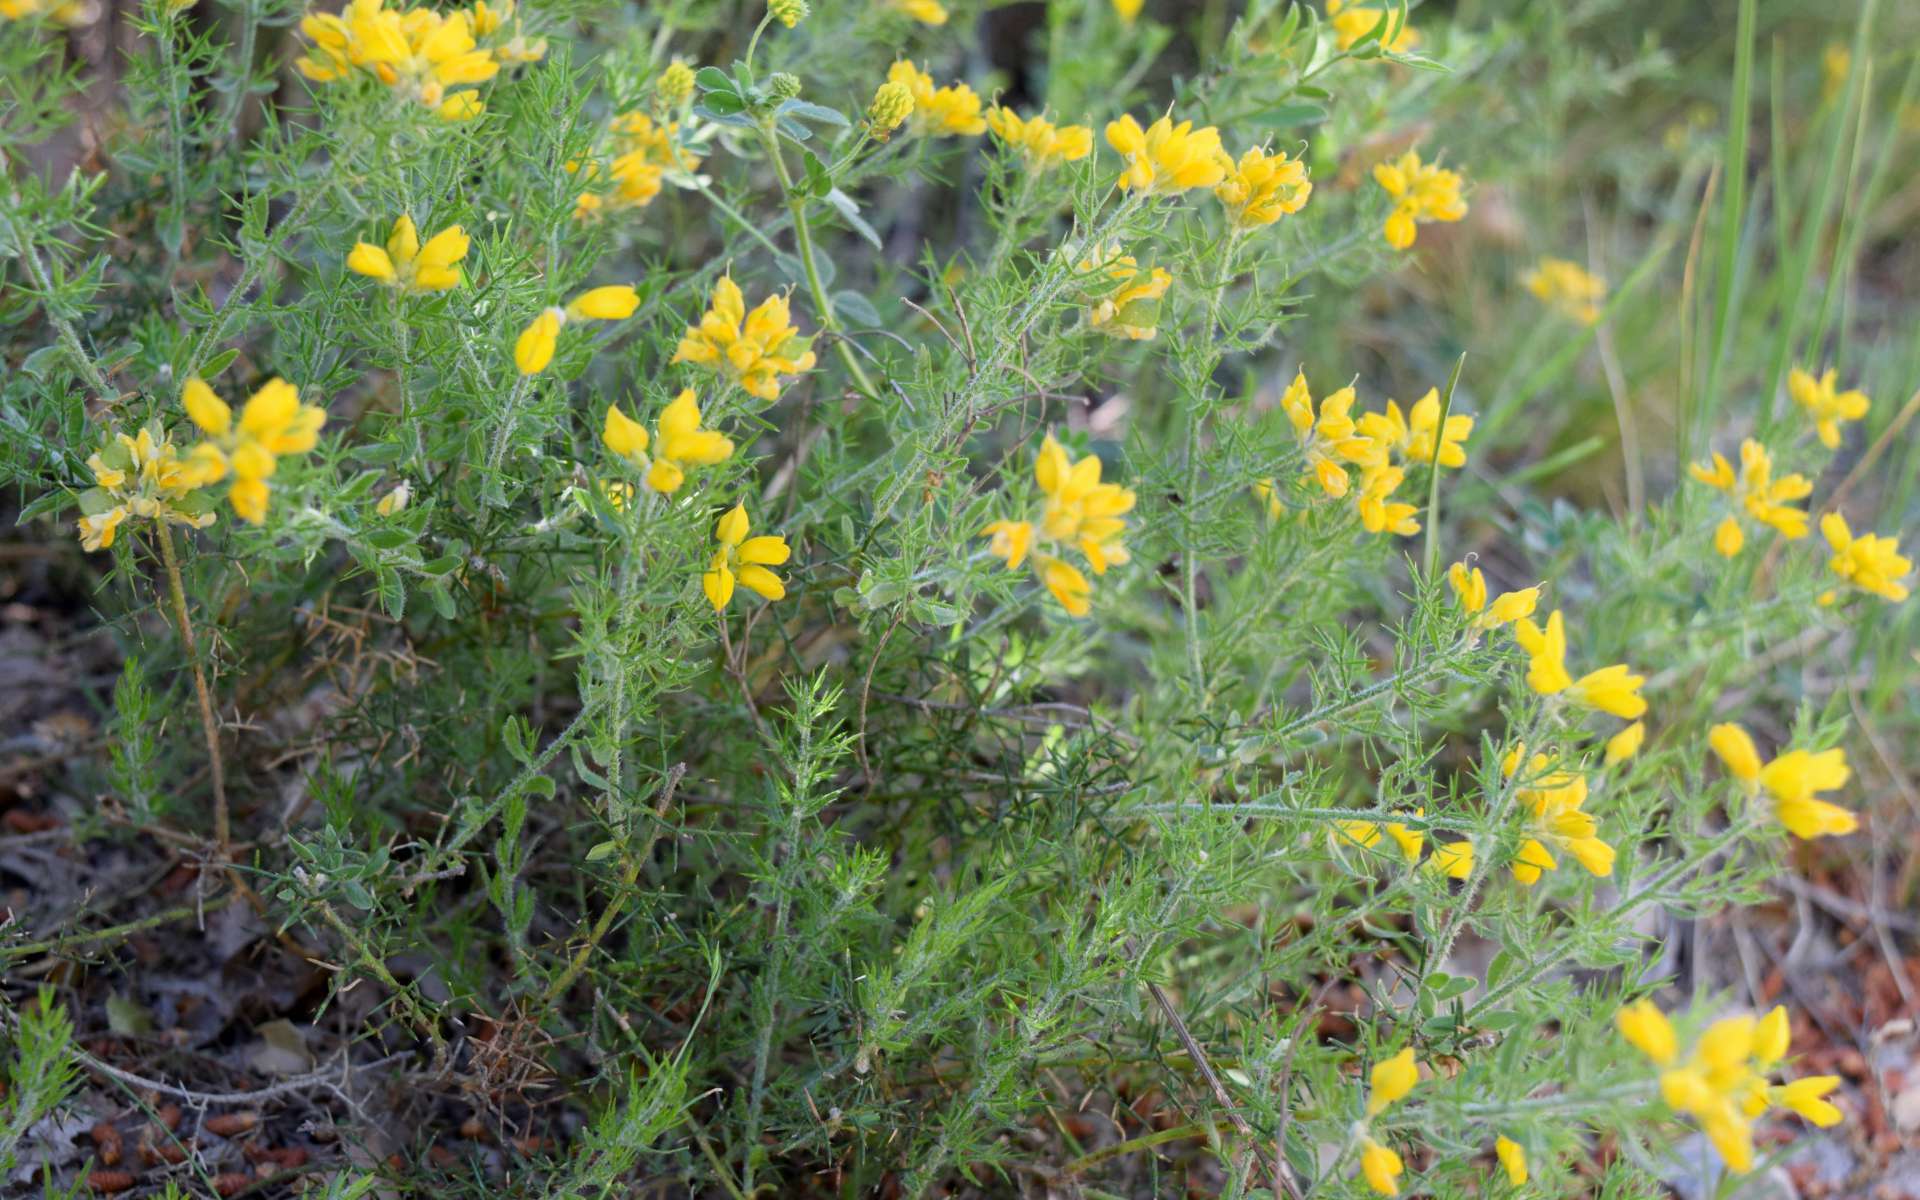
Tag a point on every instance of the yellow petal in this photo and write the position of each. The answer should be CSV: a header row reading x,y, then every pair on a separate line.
x,y
205,409
370,260
732,527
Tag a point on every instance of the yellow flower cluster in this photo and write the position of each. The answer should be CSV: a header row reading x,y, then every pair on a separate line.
x,y
927,12
1333,440
682,443
1123,300
1723,1084
1871,562
951,111
743,559
1792,782
273,423
1756,493
1566,287
1263,187
537,342
892,105
1039,140
675,85
1452,859
1351,22
1827,407
66,12
1389,1082
642,151
752,349
1081,513
1554,797
409,266
1420,192
1470,585
143,477
431,57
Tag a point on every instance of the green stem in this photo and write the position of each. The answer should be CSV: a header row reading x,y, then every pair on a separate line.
x,y
740,219
803,242
1196,412
177,594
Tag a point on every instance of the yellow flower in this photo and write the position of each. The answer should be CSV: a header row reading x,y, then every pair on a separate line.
x,y
1649,1031
927,12
953,110
1452,859
419,53
1807,1097
1625,744
1566,287
1125,301
1790,781
1081,514
644,152
1471,587
1011,541
1413,436
745,559
1379,513
892,105
1263,188
1391,1080
1367,835
682,443
1420,192
1381,1167
273,423
1166,159
789,12
1613,689
533,350
488,20
1828,409
1836,63
1353,22
616,302
1513,1158
1723,1083
1128,10
1330,438
752,349
1039,140
1553,798
406,264
1756,494
141,477
1869,562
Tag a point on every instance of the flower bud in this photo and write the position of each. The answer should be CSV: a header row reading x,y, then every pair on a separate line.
x,y
789,12
783,86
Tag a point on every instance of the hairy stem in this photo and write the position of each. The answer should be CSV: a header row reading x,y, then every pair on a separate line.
x,y
177,596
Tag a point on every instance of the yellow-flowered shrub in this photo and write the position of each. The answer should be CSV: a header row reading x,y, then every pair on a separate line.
x,y
793,622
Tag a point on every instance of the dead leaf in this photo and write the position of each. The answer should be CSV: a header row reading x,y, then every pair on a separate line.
x,y
282,1050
